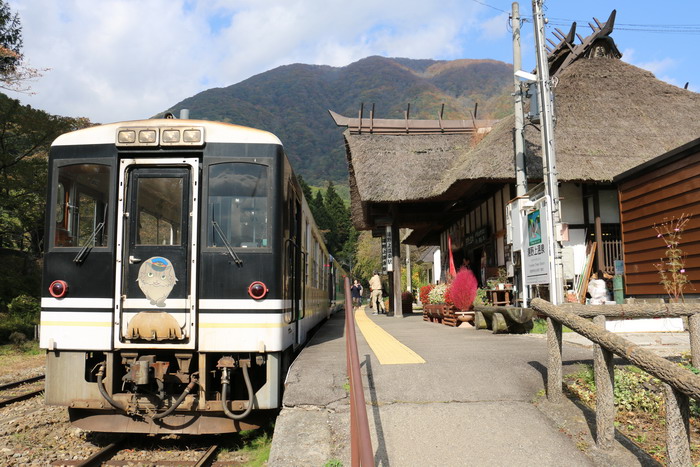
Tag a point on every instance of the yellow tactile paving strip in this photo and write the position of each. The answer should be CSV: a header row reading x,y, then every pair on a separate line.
x,y
386,348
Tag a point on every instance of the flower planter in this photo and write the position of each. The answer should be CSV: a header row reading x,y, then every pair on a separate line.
x,y
434,312
446,314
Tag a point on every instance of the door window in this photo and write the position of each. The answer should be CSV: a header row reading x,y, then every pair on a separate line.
x,y
159,210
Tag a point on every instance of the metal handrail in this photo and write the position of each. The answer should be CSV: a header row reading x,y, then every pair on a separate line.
x,y
679,383
360,441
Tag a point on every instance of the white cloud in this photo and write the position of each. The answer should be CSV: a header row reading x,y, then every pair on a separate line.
x,y
124,59
658,66
496,27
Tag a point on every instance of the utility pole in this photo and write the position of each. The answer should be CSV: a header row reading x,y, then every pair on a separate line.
x,y
556,284
519,136
520,169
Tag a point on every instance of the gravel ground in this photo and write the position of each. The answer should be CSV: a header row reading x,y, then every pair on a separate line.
x,y
32,433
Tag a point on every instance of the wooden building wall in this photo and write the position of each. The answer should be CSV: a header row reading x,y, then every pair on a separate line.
x,y
489,214
652,195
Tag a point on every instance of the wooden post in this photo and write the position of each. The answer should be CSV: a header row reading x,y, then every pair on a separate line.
x,y
677,427
605,398
694,331
554,368
686,382
600,251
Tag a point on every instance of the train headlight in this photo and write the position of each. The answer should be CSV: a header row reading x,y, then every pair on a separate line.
x,y
126,137
58,289
193,136
257,290
148,136
171,136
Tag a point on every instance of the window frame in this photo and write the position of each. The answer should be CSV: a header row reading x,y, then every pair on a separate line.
x,y
56,180
206,224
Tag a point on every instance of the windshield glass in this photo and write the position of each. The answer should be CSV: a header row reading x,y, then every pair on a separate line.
x,y
238,203
80,204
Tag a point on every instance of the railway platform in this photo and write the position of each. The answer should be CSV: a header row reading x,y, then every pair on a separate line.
x,y
440,396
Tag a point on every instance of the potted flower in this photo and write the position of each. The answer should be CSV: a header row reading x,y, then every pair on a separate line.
x,y
435,307
423,294
462,291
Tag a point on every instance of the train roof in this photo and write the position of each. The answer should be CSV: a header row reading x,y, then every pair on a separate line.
x,y
214,132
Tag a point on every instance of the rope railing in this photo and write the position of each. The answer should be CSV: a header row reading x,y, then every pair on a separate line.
x,y
679,383
360,441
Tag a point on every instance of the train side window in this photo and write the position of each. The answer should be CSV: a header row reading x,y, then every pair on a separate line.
x,y
238,203
81,199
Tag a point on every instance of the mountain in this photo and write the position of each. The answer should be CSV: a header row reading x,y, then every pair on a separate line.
x,y
292,101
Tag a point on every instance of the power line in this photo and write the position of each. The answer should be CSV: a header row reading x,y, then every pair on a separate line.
x,y
692,29
490,6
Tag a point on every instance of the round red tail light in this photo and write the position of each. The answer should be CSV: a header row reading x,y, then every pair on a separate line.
x,y
257,290
58,289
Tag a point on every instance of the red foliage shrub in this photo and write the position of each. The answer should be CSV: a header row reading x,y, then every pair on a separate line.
x,y
462,290
424,291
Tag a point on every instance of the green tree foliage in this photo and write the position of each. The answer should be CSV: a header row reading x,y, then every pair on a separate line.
x,y
333,220
305,188
25,137
318,210
368,257
10,40
14,75
339,219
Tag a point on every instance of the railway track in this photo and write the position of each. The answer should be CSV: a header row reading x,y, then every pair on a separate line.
x,y
104,457
21,390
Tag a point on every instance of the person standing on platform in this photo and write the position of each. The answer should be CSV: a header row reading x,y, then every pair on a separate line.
x,y
356,293
375,298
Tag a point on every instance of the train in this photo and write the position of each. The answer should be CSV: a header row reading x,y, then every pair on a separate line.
x,y
182,272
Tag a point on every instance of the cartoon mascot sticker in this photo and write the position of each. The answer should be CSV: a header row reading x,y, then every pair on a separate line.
x,y
157,279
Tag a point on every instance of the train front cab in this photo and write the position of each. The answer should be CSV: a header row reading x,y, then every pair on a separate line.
x,y
175,276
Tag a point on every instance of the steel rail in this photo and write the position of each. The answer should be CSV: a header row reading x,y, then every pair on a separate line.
x,y
21,397
207,457
362,453
19,383
102,455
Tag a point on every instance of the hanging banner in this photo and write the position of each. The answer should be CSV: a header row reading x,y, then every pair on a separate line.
x,y
536,252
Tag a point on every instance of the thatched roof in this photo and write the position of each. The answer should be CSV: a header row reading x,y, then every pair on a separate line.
x,y
398,168
610,116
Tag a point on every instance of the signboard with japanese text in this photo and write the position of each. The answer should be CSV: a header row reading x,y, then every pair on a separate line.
x,y
536,249
387,257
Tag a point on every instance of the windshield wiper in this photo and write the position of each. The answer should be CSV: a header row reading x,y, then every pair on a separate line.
x,y
87,246
232,253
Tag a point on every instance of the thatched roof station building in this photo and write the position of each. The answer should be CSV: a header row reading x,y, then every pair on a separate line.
x,y
610,117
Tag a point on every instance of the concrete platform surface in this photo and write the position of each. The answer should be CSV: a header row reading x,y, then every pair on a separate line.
x,y
477,400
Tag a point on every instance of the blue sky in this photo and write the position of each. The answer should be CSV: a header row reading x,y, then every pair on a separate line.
x,y
112,60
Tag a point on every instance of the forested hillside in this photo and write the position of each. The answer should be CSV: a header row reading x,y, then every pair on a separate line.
x,y
292,101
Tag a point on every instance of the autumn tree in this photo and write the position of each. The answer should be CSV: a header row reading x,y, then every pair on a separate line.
x,y
14,74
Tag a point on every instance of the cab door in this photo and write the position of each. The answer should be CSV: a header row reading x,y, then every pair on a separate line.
x,y
155,286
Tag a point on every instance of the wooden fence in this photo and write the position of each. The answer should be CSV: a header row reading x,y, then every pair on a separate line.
x,y
679,383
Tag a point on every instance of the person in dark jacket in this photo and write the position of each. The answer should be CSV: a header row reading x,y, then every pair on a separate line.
x,y
356,293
